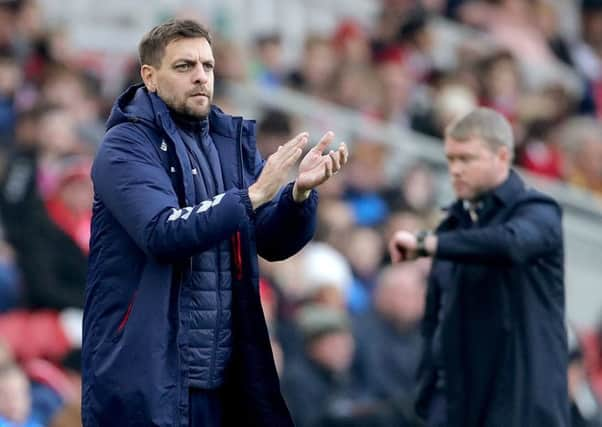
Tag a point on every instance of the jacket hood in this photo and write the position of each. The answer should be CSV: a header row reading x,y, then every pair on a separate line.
x,y
132,105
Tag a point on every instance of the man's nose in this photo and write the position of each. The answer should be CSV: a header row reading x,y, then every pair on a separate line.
x,y
200,76
454,168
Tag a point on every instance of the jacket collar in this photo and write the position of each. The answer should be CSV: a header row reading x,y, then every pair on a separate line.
x,y
507,191
504,194
138,104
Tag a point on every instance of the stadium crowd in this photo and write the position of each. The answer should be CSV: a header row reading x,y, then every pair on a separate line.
x,y
345,323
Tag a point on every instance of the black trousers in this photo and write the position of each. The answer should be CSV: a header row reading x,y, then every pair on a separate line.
x,y
205,408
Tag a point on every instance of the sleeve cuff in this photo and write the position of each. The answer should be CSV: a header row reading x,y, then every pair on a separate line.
x,y
306,206
445,244
246,202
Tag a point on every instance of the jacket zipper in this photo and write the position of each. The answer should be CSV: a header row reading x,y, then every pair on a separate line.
x,y
218,320
237,239
238,268
179,284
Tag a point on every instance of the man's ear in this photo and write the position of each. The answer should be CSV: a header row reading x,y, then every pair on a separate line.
x,y
504,154
149,75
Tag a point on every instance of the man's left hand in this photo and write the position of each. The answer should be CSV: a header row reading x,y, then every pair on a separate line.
x,y
316,168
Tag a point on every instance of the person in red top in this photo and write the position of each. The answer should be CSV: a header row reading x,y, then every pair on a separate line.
x,y
70,206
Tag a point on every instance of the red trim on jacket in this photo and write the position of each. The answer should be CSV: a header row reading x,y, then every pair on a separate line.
x,y
126,316
237,253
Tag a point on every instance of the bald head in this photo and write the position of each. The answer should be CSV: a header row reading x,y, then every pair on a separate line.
x,y
400,293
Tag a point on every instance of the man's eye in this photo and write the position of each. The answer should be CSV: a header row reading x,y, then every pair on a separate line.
x,y
182,67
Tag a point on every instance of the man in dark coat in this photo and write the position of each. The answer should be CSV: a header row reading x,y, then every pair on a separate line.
x,y
495,342
174,334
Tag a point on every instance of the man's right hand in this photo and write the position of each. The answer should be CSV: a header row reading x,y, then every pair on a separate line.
x,y
404,246
276,170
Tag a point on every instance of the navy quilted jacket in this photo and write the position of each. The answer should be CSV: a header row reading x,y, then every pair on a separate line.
x,y
145,232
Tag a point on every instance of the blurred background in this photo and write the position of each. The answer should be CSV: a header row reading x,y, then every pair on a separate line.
x,y
386,76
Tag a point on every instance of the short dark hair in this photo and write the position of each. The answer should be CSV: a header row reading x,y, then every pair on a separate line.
x,y
275,122
484,123
152,46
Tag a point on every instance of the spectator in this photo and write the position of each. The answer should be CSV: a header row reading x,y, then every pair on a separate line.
x,y
397,84
11,78
351,44
326,275
591,346
274,127
366,180
510,24
52,243
582,140
586,410
501,84
450,98
320,381
364,248
15,398
388,336
268,68
317,68
10,284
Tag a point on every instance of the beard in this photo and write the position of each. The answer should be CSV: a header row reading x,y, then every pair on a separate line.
x,y
183,105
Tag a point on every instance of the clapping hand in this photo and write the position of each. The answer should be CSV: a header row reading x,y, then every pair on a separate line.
x,y
316,167
276,170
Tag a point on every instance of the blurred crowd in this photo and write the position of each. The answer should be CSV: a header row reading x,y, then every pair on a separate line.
x,y
345,324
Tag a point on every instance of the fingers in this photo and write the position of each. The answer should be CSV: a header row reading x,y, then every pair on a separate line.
x,y
298,141
292,158
299,137
328,167
339,157
395,251
291,150
336,162
324,142
344,153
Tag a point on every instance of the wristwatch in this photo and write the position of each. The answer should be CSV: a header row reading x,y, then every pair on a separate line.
x,y
421,243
